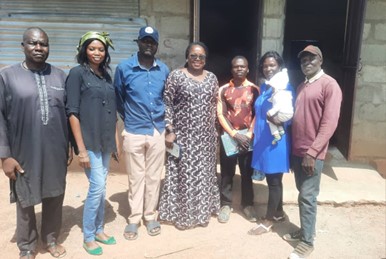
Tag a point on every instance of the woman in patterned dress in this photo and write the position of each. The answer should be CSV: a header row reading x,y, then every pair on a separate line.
x,y
190,194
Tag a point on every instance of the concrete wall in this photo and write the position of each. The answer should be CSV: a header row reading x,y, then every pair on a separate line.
x,y
172,19
273,26
369,121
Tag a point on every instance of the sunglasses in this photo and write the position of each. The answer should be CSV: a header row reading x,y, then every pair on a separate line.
x,y
195,56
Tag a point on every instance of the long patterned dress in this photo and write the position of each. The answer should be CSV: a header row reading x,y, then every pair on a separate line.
x,y
190,194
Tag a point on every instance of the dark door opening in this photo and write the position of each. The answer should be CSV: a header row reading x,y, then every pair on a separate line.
x,y
321,23
330,25
229,28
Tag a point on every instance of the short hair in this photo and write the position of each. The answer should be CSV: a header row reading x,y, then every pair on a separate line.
x,y
270,54
82,59
239,57
26,32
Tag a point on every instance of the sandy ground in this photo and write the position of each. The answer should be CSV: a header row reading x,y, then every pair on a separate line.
x,y
349,231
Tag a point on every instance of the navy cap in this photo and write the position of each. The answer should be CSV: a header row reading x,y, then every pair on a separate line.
x,y
148,31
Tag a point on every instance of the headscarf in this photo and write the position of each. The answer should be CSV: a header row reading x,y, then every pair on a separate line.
x,y
102,36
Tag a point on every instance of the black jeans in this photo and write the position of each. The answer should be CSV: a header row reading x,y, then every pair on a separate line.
x,y
275,195
26,230
228,169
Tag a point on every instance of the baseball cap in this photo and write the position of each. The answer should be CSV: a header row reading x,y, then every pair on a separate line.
x,y
311,49
148,31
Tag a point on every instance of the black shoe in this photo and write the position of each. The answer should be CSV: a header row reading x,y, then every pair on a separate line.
x,y
249,214
294,236
281,218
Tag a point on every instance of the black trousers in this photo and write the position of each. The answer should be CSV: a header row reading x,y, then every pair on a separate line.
x,y
228,169
275,195
26,230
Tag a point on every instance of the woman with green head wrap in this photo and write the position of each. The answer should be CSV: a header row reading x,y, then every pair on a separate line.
x,y
91,109
84,42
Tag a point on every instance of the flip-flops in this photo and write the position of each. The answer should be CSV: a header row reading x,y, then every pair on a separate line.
x,y
131,232
153,228
260,229
52,248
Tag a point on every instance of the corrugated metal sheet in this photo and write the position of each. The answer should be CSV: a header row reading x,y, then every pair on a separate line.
x,y
65,29
118,8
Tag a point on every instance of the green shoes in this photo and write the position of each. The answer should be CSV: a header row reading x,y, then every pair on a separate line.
x,y
99,250
95,251
109,241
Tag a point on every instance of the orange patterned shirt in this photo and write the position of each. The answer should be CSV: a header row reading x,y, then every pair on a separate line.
x,y
235,107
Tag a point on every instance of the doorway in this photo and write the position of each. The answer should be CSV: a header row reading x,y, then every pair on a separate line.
x,y
229,28
336,27
321,23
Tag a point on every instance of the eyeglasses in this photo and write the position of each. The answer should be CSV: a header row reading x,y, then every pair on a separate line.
x,y
195,56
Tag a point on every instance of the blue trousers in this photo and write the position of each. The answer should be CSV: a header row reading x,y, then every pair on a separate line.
x,y
308,187
94,206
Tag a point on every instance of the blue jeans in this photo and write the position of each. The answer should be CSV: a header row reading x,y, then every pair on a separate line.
x,y
308,187
94,206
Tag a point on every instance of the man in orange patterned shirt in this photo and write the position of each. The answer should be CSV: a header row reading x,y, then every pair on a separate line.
x,y
236,116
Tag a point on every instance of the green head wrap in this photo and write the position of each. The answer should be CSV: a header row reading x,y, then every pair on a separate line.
x,y
102,36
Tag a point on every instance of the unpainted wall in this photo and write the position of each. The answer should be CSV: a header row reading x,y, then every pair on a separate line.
x,y
172,19
368,139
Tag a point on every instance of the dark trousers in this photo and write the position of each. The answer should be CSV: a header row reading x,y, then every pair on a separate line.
x,y
275,195
26,230
228,169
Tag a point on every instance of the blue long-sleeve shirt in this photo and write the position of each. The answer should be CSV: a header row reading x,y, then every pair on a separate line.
x,y
139,94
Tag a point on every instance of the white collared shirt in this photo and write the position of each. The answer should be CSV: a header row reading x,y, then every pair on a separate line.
x,y
315,77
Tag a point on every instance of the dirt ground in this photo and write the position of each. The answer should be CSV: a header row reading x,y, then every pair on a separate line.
x,y
350,231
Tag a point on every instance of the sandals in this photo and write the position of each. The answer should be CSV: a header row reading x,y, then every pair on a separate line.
x,y
131,232
260,229
224,215
281,218
56,250
153,228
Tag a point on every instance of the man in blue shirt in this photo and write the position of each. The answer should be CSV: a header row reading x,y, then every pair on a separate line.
x,y
139,85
